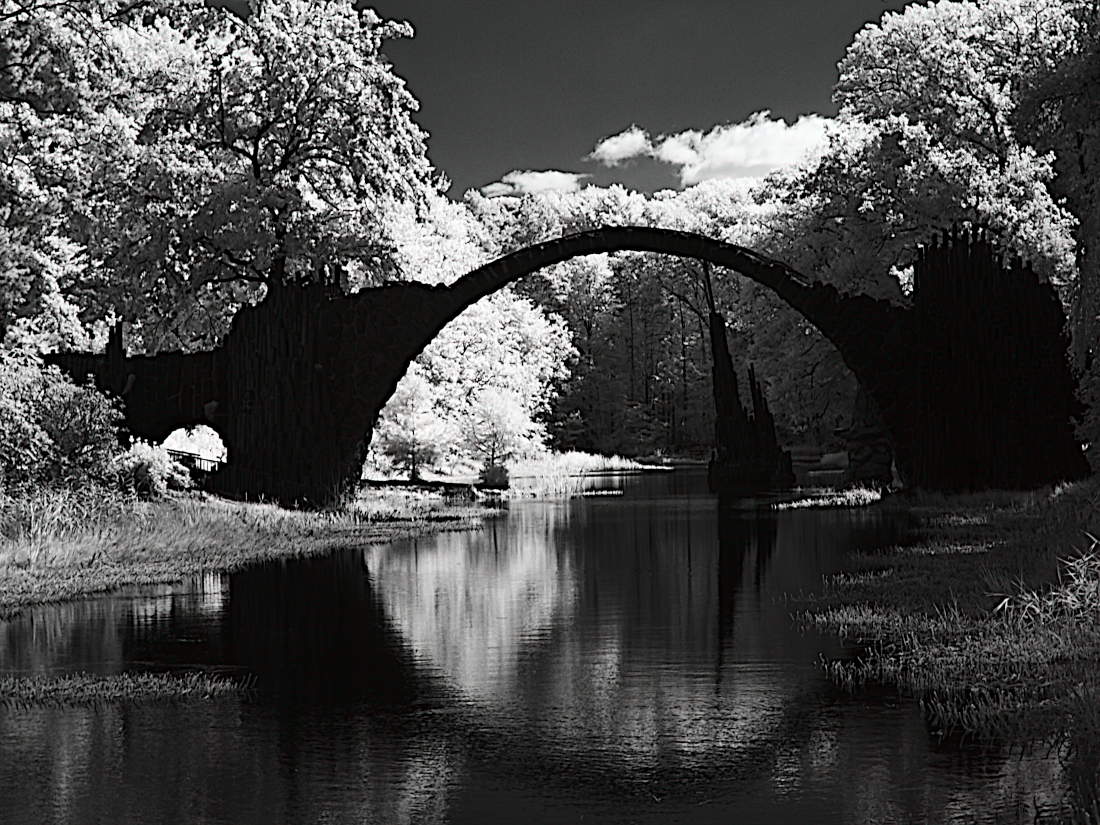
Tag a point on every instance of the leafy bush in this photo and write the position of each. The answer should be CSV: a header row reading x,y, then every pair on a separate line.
x,y
495,476
24,445
83,426
150,471
50,428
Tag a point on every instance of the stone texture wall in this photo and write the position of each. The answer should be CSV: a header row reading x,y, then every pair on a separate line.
x,y
989,379
297,386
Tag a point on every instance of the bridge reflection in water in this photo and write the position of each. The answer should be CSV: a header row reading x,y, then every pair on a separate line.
x,y
616,655
621,658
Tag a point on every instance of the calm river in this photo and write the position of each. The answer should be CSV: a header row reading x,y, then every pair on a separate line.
x,y
611,659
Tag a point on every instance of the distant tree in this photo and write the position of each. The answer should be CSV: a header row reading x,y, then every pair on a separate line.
x,y
581,292
410,432
501,360
436,242
502,344
498,428
479,391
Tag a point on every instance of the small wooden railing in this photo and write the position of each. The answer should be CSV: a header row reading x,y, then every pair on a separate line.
x,y
195,461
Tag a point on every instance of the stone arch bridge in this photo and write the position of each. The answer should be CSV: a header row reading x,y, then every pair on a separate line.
x,y
297,385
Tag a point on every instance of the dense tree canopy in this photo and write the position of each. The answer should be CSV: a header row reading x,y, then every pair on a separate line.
x,y
938,86
163,161
1003,96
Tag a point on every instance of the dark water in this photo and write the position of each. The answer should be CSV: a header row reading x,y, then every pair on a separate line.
x,y
611,659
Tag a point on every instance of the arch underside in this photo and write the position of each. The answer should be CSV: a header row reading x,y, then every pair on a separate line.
x,y
872,335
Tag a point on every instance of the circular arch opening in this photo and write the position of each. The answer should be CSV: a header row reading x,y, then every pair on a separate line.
x,y
198,447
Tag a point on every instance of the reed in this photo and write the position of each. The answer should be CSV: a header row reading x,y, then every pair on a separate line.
x,y
82,689
562,475
854,497
990,618
51,524
572,462
411,504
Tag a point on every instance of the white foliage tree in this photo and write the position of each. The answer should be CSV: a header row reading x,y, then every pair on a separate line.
x,y
500,360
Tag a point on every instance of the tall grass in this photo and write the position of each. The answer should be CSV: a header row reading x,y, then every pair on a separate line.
x,y
82,689
576,463
49,525
854,497
385,505
991,618
57,544
561,475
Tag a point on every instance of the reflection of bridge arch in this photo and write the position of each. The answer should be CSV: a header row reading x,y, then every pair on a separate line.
x,y
297,386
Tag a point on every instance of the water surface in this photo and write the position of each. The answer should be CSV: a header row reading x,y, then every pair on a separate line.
x,y
623,658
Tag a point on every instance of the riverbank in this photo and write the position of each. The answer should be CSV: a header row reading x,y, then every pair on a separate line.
x,y
59,545
990,617
65,544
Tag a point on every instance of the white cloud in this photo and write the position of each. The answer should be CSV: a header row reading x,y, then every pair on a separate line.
x,y
522,183
612,151
681,149
754,147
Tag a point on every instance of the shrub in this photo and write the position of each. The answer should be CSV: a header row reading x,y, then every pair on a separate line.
x,y
83,426
495,476
50,428
149,471
24,445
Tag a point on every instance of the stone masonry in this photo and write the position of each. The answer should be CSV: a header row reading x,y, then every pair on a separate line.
x,y
297,385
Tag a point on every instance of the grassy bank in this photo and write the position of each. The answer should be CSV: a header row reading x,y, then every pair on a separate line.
x,y
64,544
57,545
991,617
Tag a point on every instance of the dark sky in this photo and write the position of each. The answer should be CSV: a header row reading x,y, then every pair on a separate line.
x,y
516,86
509,85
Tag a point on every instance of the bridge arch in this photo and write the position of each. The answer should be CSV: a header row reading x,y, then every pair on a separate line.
x,y
857,326
296,387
